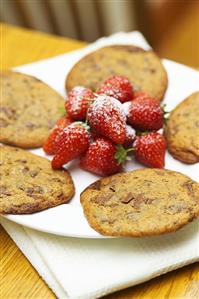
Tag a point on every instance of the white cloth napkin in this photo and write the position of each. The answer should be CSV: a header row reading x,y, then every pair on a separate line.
x,y
91,268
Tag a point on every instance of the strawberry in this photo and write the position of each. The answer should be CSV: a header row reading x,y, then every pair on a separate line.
x,y
73,142
140,94
150,149
130,136
106,117
95,135
77,102
103,157
144,113
50,145
118,87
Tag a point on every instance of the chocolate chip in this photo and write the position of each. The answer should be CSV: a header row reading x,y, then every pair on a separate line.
x,y
175,129
148,183
186,114
30,125
173,195
127,198
140,199
39,189
96,67
51,123
21,161
4,191
176,209
102,199
165,181
25,169
104,219
197,124
34,191
56,180
189,186
29,190
112,189
61,196
9,112
159,172
123,62
133,216
33,173
21,187
95,186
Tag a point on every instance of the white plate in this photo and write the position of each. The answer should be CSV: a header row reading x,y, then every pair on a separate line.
x,y
68,219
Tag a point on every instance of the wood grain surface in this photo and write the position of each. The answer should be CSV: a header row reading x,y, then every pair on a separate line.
x,y
18,278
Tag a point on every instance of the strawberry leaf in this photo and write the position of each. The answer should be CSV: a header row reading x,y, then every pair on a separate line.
x,y
121,154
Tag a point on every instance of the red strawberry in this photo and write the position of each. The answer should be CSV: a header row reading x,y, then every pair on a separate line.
x,y
118,87
103,158
95,135
106,118
130,136
150,149
77,102
50,145
140,94
73,142
144,113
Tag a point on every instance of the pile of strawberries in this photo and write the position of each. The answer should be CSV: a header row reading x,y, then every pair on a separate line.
x,y
105,127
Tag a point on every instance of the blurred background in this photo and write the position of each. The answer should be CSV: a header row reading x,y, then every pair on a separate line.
x,y
171,26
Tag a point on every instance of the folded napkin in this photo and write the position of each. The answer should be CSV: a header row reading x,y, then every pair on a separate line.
x,y
91,268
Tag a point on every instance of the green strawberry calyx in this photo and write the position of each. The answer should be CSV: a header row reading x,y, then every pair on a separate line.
x,y
121,154
83,124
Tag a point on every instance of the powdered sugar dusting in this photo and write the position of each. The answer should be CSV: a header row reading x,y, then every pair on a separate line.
x,y
78,93
130,131
130,136
78,89
118,87
77,102
106,116
126,107
111,103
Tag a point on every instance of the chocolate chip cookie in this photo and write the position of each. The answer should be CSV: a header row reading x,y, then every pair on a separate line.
x,y
143,202
29,109
28,184
182,130
143,68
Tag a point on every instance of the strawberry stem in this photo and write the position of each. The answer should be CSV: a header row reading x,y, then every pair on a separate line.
x,y
121,154
140,133
130,150
83,124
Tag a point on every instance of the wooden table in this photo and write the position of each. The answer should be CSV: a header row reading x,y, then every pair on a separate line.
x,y
18,277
